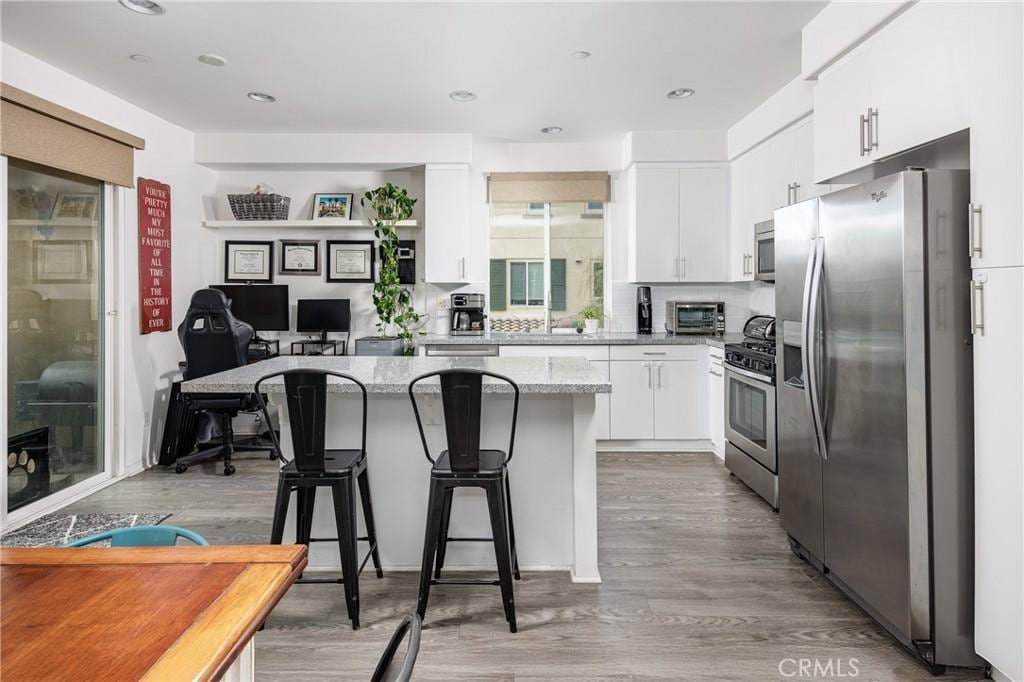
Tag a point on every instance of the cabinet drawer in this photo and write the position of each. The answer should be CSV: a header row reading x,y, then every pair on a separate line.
x,y
677,352
592,353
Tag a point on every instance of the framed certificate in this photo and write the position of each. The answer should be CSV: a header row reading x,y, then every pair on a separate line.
x,y
350,261
248,261
299,257
62,261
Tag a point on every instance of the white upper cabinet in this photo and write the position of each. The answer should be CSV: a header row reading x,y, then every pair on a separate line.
x,y
446,246
750,201
919,77
703,231
841,100
997,163
654,224
905,86
678,225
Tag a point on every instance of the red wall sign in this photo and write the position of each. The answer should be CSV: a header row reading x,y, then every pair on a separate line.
x,y
154,256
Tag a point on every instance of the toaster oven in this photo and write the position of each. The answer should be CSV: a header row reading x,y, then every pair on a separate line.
x,y
692,317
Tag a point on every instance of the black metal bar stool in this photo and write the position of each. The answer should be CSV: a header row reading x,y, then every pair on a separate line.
x,y
315,467
464,464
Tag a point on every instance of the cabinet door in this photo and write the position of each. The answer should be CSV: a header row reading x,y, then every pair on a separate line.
x,y
679,400
632,400
803,163
997,164
919,76
783,167
998,406
750,203
656,225
842,94
716,404
703,224
446,190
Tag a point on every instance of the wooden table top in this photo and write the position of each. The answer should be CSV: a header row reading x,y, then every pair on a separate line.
x,y
152,613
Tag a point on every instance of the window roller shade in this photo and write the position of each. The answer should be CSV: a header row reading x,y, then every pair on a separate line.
x,y
37,130
542,187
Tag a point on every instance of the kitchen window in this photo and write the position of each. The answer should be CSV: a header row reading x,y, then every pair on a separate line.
x,y
544,268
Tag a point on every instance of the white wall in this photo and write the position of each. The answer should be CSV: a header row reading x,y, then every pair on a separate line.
x,y
149,361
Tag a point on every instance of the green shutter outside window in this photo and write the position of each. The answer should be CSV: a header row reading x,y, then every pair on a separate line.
x,y
558,284
497,284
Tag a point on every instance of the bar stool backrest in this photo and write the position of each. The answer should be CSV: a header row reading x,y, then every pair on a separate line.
x,y
306,397
461,399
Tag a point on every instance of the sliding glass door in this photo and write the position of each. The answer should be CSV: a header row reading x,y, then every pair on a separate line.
x,y
55,332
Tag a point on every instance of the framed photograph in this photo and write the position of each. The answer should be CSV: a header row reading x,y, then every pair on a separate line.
x,y
350,261
248,262
80,205
326,206
299,257
62,261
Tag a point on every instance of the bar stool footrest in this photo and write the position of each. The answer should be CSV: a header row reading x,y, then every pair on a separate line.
x,y
454,581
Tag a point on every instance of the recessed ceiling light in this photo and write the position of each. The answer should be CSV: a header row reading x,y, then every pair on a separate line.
x,y
261,97
140,58
679,93
212,59
462,95
581,54
551,130
142,6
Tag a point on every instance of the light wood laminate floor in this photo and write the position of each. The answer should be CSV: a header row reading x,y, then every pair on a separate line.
x,y
699,584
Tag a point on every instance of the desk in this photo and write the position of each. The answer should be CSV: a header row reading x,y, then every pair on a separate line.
x,y
151,613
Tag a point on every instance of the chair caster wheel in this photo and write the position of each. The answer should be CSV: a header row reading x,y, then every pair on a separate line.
x,y
180,468
228,470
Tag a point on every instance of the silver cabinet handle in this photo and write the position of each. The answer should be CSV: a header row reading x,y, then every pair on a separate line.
x,y
796,187
974,246
659,374
675,267
650,380
977,308
651,352
682,274
863,134
872,129
712,371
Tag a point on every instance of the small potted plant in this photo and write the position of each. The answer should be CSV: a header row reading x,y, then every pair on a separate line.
x,y
591,316
395,314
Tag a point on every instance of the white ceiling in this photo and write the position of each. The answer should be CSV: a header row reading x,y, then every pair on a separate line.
x,y
388,67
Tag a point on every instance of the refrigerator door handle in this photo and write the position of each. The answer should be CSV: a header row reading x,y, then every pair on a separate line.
x,y
810,345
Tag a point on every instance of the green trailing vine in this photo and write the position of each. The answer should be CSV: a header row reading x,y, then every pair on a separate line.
x,y
390,204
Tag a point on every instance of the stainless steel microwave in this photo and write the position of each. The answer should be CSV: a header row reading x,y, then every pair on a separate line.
x,y
764,251
695,317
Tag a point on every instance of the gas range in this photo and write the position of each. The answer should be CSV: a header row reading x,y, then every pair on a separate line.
x,y
756,353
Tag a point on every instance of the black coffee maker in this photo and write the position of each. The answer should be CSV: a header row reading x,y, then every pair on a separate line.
x,y
644,308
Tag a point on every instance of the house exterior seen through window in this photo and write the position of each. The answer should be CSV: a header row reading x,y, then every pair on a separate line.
x,y
547,263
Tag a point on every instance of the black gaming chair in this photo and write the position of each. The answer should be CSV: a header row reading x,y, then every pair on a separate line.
x,y
215,341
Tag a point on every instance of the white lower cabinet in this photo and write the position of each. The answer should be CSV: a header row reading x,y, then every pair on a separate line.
x,y
679,401
998,469
632,403
658,392
716,400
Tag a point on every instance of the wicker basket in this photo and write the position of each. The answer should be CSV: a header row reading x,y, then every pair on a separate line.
x,y
259,206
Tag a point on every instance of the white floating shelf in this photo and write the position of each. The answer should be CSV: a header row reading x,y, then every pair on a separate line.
x,y
326,223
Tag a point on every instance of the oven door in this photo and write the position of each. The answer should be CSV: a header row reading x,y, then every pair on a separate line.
x,y
750,414
764,257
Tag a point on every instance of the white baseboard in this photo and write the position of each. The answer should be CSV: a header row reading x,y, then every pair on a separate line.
x,y
694,445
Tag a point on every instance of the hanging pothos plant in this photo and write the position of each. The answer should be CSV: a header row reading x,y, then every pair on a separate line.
x,y
390,205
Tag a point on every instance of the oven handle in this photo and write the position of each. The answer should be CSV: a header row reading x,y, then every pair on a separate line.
x,y
747,373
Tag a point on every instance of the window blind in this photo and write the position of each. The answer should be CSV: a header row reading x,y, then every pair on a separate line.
x,y
542,187
37,130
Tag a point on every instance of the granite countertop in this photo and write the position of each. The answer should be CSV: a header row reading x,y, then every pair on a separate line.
x,y
393,374
573,339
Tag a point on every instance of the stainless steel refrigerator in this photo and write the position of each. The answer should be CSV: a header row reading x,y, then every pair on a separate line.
x,y
875,402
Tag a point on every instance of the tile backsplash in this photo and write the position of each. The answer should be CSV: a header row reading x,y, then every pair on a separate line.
x,y
742,300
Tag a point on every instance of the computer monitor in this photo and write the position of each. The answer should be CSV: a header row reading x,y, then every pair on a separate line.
x,y
264,306
322,315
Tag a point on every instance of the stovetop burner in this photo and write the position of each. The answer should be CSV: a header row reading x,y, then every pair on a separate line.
x,y
756,353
